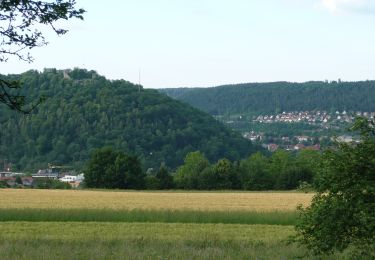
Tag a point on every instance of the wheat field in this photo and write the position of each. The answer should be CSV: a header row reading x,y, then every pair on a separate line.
x,y
129,200
84,224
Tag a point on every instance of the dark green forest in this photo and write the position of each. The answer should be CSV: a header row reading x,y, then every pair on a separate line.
x,y
262,98
84,111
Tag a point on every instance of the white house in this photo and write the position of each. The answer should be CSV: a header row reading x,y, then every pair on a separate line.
x,y
68,178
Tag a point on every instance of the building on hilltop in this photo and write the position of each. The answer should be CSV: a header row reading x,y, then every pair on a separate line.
x,y
66,73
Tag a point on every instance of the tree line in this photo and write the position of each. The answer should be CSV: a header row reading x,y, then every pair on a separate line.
x,y
275,97
282,170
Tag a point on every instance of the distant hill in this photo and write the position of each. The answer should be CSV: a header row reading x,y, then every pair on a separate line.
x,y
84,111
279,96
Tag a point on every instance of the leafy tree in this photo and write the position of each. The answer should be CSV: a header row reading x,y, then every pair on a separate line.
x,y
307,163
129,170
224,175
114,170
151,182
207,179
20,31
187,175
164,178
341,214
255,173
100,166
3,184
281,167
18,180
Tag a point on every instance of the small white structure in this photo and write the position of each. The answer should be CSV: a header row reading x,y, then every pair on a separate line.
x,y
345,139
68,178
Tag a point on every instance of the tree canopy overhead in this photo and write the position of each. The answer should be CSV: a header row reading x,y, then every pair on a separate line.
x,y
20,32
19,20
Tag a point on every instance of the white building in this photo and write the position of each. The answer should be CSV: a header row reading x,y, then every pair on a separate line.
x,y
68,178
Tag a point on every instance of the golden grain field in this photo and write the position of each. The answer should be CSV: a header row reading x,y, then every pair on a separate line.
x,y
208,201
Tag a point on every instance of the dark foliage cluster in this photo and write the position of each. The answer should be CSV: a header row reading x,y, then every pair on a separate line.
x,y
83,111
162,179
281,171
341,215
45,183
113,170
276,97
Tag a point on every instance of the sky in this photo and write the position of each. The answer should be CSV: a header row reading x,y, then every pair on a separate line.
x,y
204,43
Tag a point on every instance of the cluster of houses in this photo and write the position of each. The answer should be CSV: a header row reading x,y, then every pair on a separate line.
x,y
313,117
17,179
322,119
10,179
273,147
259,136
296,143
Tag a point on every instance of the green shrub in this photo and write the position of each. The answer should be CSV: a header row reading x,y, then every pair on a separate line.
x,y
341,215
3,184
45,183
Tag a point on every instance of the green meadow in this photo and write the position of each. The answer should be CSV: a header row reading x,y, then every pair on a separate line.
x,y
108,240
284,218
156,233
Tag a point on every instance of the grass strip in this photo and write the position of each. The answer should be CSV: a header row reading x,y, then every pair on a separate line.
x,y
138,215
101,240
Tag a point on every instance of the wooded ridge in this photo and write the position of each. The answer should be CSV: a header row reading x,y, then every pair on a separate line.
x,y
276,97
84,111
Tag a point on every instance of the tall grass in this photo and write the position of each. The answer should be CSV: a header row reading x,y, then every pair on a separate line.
x,y
92,240
153,249
139,215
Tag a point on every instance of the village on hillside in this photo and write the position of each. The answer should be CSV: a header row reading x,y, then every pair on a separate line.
x,y
324,126
322,118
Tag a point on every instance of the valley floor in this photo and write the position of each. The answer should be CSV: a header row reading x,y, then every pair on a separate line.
x,y
91,240
61,231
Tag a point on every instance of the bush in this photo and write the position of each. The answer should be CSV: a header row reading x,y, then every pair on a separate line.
x,y
45,183
3,184
152,183
341,215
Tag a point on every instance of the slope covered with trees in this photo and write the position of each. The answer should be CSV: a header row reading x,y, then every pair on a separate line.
x,y
279,96
84,111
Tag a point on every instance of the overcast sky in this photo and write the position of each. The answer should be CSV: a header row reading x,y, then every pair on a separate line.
x,y
201,43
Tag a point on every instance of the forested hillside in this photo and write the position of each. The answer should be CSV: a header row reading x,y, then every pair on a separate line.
x,y
84,111
279,96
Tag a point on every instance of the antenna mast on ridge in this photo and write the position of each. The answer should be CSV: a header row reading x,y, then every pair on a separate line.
x,y
139,80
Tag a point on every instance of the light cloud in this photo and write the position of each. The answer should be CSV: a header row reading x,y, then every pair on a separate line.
x,y
349,6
